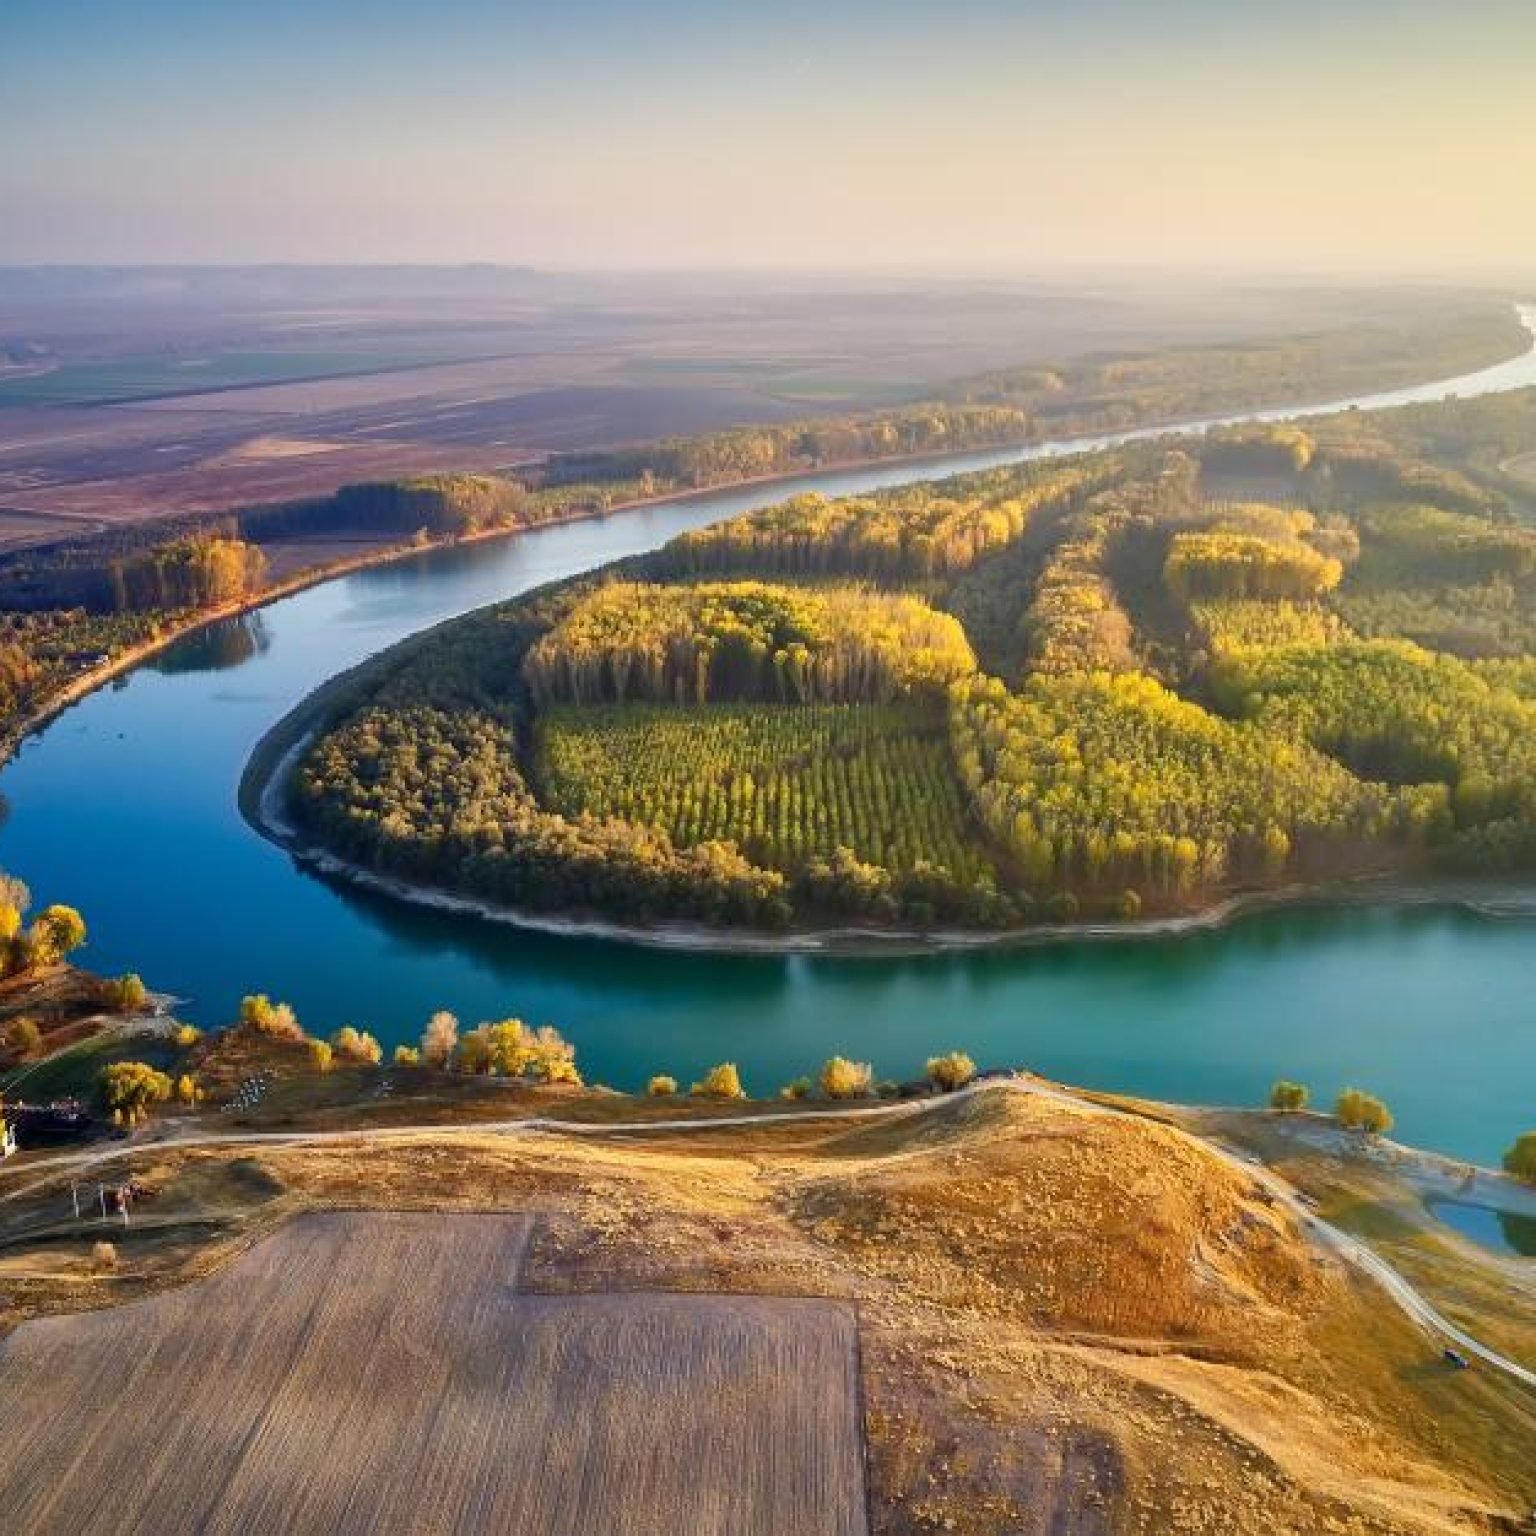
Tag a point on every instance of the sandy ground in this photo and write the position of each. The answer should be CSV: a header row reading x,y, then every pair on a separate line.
x,y
1068,1321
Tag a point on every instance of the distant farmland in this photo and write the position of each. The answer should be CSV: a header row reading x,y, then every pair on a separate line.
x,y
371,1372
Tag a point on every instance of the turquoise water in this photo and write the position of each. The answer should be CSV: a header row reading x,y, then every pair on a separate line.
x,y
1502,1231
125,806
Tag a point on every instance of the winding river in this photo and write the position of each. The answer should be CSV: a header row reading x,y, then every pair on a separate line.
x,y
125,806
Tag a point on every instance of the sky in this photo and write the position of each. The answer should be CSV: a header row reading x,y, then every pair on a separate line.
x,y
1391,136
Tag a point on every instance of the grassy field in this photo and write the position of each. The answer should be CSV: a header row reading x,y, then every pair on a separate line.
x,y
787,784
1066,1322
380,1372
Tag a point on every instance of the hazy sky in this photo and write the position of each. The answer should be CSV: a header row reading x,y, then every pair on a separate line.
x,y
1317,134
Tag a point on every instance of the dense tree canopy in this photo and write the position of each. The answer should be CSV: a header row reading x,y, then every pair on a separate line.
x,y
714,642
1192,681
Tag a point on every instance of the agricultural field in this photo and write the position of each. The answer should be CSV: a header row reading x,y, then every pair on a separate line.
x,y
362,1372
143,394
1005,1306
787,784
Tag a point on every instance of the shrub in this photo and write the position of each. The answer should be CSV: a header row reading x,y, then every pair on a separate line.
x,y
186,1089
24,1037
1520,1160
439,1039
720,1082
1362,1112
104,1257
1127,906
800,1088
407,1056
950,1072
132,1086
124,994
277,1020
186,1036
357,1045
511,1049
1287,1096
844,1079
320,1055
57,932
661,1087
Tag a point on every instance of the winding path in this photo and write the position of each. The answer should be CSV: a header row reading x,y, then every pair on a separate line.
x,y
1410,1301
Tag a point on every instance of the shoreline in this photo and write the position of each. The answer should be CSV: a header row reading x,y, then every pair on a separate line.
x,y
277,753
15,735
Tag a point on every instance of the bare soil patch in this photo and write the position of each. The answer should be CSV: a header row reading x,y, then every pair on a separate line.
x,y
366,1372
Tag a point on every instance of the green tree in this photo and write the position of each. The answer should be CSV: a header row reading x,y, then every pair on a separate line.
x,y
1520,1160
1362,1111
320,1055
798,1088
1288,1096
407,1056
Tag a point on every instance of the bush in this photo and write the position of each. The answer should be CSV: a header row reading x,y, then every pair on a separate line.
x,y
439,1039
320,1055
57,932
187,1091
357,1045
800,1088
124,994
844,1079
24,1037
1520,1160
104,1257
661,1087
407,1056
1288,1097
1362,1112
186,1036
1127,906
277,1020
950,1072
511,1049
721,1082
132,1086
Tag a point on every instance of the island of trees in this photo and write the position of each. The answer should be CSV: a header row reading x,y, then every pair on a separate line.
x,y
1121,684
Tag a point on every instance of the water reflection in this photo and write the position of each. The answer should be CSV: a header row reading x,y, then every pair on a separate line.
x,y
1503,1231
216,647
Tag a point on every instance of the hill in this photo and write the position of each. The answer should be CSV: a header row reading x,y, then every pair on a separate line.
x,y
1067,1319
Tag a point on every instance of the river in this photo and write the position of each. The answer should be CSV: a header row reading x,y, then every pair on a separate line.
x,y
125,807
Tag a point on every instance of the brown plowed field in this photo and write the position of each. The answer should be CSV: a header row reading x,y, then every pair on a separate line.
x,y
381,1372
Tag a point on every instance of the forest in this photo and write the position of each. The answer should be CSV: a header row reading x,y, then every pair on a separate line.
x,y
1121,684
701,643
